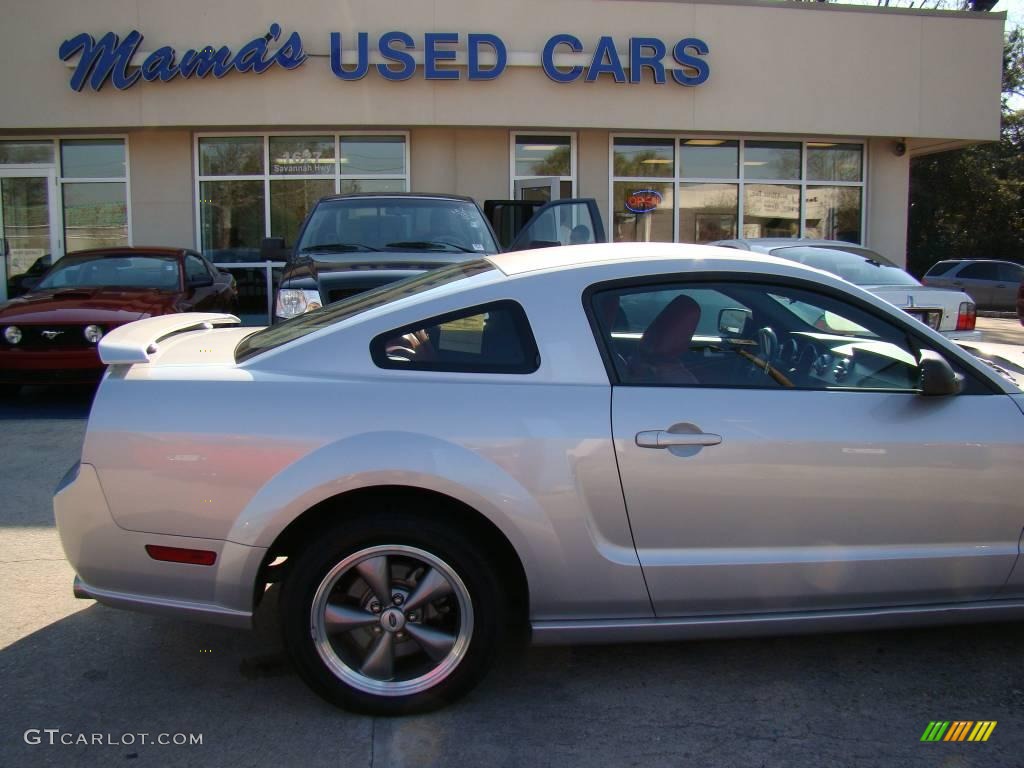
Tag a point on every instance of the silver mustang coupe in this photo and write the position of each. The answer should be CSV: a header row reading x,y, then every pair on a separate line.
x,y
601,443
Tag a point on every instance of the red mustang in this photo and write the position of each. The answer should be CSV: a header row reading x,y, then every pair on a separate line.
x,y
51,332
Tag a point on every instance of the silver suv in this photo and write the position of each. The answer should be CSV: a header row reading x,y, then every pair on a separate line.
x,y
992,284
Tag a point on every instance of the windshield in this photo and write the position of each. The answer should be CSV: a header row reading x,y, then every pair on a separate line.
x,y
858,265
396,224
101,271
299,326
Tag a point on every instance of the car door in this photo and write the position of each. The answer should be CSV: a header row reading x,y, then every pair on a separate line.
x,y
200,291
522,224
1004,295
775,455
978,280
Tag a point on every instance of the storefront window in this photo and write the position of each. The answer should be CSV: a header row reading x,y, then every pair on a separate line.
x,y
708,212
26,152
645,158
771,160
92,159
833,213
834,162
709,159
290,201
535,155
769,195
300,170
771,210
95,215
302,156
232,218
231,156
642,211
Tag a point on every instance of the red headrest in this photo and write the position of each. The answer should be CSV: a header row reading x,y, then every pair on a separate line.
x,y
671,332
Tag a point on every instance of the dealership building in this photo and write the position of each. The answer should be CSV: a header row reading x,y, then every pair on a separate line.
x,y
216,125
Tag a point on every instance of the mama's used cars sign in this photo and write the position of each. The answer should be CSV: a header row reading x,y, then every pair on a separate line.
x,y
564,58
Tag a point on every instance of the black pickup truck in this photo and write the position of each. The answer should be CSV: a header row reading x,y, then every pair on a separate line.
x,y
352,243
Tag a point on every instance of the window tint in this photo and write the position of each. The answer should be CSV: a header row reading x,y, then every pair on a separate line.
x,y
750,335
983,271
1011,273
941,268
494,338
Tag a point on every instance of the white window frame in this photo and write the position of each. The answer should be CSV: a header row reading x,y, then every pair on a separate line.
x,y
677,180
266,177
57,168
513,178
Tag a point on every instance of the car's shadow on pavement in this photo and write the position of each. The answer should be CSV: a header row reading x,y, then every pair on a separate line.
x,y
851,699
49,401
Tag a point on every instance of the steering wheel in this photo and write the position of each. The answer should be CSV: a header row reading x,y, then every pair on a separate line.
x,y
768,352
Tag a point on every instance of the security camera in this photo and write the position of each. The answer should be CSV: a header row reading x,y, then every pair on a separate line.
x,y
899,148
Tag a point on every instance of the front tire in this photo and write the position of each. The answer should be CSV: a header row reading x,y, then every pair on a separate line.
x,y
391,614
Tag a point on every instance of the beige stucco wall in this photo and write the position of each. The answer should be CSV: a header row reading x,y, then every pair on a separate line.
x,y
160,174
775,68
888,194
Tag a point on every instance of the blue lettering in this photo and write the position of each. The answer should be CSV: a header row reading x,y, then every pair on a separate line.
x,y
606,50
107,59
362,57
201,63
407,62
699,66
548,58
251,56
159,65
638,59
476,72
432,55
290,55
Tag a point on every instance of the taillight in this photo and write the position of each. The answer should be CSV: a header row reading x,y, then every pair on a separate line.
x,y
967,317
181,555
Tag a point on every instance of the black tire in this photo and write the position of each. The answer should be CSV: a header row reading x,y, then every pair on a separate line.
x,y
389,527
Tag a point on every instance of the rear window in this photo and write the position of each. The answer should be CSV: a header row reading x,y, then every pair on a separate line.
x,y
859,266
290,330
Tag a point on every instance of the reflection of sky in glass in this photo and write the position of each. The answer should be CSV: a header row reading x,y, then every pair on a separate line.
x,y
372,154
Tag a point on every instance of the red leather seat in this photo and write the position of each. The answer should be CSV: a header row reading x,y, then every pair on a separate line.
x,y
666,340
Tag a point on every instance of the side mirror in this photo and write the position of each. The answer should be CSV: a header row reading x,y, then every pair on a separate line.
x,y
273,249
936,376
732,321
200,281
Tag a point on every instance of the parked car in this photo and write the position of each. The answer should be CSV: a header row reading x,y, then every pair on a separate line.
x,y
353,243
992,284
51,332
29,279
609,443
951,312
1020,302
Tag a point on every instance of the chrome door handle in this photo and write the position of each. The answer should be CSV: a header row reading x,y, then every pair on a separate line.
x,y
659,438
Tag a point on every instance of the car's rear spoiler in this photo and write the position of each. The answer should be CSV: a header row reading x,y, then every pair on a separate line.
x,y
136,342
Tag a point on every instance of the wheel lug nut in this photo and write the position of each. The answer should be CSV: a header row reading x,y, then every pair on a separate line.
x,y
397,600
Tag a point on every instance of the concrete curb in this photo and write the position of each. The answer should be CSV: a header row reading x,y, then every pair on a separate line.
x,y
991,313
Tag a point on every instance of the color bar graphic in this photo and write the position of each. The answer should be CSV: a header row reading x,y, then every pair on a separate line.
x,y
958,730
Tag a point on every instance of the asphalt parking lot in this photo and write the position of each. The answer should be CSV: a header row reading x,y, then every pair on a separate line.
x,y
860,699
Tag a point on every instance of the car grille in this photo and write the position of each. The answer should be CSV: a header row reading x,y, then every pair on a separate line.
x,y
63,337
930,317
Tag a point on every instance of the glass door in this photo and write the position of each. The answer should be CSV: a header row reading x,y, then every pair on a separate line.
x,y
543,189
30,232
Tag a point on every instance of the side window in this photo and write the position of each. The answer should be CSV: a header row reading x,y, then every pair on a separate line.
x,y
492,338
195,267
750,335
1010,273
980,272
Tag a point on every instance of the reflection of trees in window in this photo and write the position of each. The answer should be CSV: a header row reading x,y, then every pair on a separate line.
x,y
557,162
232,214
231,156
640,164
841,162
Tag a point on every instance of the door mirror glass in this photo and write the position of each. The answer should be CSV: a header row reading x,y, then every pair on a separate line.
x,y
937,378
732,321
200,281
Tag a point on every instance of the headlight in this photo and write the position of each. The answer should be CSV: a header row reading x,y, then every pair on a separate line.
x,y
13,334
293,301
93,334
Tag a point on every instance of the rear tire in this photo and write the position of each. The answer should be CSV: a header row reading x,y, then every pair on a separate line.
x,y
426,646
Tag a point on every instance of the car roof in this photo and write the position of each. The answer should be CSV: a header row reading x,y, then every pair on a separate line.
x,y
515,263
384,195
979,261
